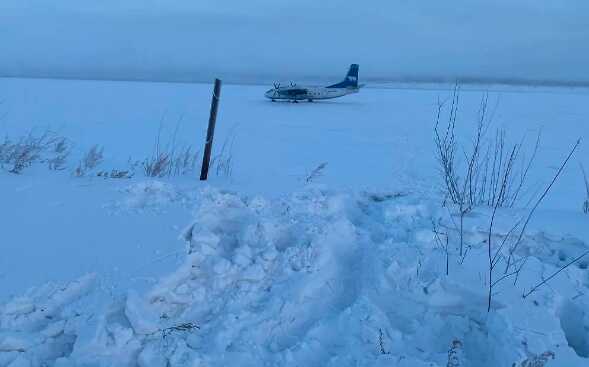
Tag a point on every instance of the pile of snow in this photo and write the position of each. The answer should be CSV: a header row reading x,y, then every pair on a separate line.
x,y
145,196
318,278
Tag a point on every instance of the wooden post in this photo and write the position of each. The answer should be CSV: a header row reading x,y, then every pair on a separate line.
x,y
206,159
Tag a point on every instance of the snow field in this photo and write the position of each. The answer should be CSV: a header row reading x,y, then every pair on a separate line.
x,y
262,268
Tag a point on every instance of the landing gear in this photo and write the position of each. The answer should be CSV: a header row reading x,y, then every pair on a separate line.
x,y
273,100
310,100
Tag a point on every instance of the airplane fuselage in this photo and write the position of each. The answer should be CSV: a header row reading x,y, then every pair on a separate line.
x,y
308,93
297,93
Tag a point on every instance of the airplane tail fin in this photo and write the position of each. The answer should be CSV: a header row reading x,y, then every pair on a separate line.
x,y
351,80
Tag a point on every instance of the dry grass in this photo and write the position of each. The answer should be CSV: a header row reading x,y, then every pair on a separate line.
x,y
316,173
90,161
170,160
170,163
47,147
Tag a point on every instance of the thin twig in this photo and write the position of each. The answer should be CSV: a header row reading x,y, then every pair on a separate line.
x,y
541,198
535,288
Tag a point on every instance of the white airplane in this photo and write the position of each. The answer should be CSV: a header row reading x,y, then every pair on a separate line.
x,y
296,93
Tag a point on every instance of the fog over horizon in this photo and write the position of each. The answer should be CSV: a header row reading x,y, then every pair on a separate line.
x,y
260,40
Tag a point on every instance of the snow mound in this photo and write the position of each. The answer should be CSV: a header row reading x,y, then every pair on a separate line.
x,y
148,196
41,325
319,278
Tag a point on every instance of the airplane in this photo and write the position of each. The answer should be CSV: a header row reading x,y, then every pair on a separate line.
x,y
296,93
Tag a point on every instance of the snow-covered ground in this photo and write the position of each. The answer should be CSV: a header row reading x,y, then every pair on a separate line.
x,y
261,267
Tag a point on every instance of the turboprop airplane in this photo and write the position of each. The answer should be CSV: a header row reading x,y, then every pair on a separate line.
x,y
295,93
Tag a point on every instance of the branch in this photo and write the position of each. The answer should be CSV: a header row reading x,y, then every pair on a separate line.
x,y
556,273
560,169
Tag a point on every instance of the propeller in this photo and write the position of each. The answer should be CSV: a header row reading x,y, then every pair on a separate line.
x,y
276,85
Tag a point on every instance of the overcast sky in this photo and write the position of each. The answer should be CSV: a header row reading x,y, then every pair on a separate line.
x,y
267,39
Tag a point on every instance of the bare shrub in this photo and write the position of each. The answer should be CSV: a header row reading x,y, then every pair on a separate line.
x,y
489,163
512,240
493,173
